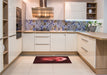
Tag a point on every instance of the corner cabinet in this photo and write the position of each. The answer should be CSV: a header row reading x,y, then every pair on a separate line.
x,y
87,49
71,42
75,10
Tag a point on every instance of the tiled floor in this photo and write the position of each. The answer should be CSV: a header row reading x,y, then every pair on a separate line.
x,y
24,66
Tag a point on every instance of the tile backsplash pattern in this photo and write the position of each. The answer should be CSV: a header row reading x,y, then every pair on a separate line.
x,y
48,25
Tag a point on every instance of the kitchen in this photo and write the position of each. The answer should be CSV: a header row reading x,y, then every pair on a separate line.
x,y
70,29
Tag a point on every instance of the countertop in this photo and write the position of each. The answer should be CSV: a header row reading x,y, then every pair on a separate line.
x,y
96,35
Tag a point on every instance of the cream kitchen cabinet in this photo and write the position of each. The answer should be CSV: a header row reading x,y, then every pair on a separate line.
x,y
42,42
19,45
28,42
71,42
1,16
1,55
75,10
12,17
12,48
87,49
58,41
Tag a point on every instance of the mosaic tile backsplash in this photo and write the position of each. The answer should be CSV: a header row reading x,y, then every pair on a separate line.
x,y
48,25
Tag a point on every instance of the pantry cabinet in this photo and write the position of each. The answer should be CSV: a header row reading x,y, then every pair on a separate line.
x,y
1,16
12,48
75,10
71,42
28,42
1,55
12,17
58,41
87,48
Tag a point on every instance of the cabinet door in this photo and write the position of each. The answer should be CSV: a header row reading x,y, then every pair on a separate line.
x,y
75,10
12,48
1,55
71,42
58,42
19,45
1,10
28,42
12,17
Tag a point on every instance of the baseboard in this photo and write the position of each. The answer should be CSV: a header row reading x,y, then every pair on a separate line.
x,y
49,53
10,63
91,67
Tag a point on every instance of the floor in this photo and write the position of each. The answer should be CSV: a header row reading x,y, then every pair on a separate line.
x,y
24,66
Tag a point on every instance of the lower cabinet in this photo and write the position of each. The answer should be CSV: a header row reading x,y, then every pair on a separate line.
x,y
87,49
71,42
19,45
12,48
42,42
1,55
28,42
49,42
58,42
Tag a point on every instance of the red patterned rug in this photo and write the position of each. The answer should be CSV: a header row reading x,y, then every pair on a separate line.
x,y
51,59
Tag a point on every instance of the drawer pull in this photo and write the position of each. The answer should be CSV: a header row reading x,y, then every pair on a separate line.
x,y
85,40
42,36
84,49
42,44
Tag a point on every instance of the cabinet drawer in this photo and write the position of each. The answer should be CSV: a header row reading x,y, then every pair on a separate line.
x,y
42,34
42,40
42,47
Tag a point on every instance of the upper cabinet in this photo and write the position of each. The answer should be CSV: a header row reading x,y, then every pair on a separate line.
x,y
91,10
75,10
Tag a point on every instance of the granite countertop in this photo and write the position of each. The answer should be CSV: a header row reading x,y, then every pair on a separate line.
x,y
96,35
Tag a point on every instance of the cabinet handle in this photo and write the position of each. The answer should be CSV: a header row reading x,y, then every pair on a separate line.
x,y
85,40
84,49
42,44
12,35
42,36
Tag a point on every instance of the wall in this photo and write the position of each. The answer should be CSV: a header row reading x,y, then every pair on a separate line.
x,y
105,16
19,3
57,4
48,25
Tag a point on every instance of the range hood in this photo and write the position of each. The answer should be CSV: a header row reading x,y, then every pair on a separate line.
x,y
43,11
